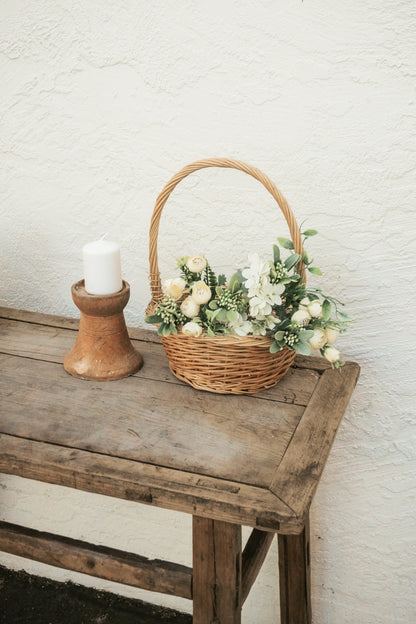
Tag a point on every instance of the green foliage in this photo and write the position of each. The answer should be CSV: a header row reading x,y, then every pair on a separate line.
x,y
291,261
275,347
209,277
292,336
305,335
302,347
230,298
189,276
326,310
314,270
167,328
215,321
153,319
168,316
279,273
276,254
281,296
234,283
285,242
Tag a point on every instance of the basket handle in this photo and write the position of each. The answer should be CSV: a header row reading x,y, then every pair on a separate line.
x,y
155,283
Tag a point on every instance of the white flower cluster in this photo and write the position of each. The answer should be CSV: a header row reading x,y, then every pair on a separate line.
x,y
241,326
263,295
260,300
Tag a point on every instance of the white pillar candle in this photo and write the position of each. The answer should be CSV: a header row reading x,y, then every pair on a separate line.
x,y
102,267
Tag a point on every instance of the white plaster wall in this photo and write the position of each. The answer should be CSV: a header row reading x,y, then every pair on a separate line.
x,y
101,102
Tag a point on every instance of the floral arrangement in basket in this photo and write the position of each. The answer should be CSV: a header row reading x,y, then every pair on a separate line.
x,y
266,298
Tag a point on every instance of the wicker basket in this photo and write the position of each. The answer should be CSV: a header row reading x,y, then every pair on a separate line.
x,y
223,364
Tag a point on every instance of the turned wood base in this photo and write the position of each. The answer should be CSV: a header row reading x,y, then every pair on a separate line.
x,y
103,350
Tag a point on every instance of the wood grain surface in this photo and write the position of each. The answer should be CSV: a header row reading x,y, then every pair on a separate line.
x,y
101,561
216,572
50,342
302,465
146,483
145,420
252,460
254,554
295,577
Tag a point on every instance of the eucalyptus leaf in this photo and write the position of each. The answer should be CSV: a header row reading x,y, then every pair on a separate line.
x,y
274,347
305,335
234,283
279,335
285,242
302,347
326,310
345,316
276,254
221,315
291,261
241,278
232,315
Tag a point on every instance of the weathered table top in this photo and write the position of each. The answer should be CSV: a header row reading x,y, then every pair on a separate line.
x,y
253,460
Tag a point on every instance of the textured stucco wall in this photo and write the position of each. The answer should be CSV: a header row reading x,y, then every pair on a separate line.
x,y
101,102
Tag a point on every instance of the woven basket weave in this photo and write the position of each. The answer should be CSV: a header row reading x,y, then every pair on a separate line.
x,y
223,364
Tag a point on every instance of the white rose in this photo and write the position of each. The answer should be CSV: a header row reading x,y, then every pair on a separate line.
x,y
196,264
192,329
315,308
331,354
302,317
303,305
201,292
318,339
331,335
174,287
190,307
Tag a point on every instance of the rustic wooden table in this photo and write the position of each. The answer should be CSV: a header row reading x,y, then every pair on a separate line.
x,y
227,460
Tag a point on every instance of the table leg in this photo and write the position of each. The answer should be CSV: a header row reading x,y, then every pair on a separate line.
x,y
216,572
294,578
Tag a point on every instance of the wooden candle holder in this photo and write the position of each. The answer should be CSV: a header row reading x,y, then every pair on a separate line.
x,y
103,350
